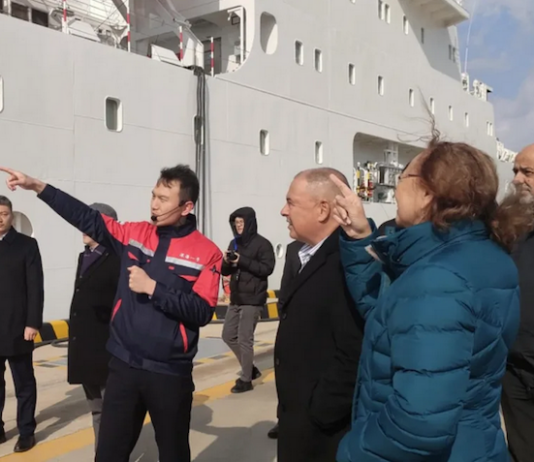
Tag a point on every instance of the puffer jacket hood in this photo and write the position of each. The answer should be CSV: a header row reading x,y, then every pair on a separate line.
x,y
251,225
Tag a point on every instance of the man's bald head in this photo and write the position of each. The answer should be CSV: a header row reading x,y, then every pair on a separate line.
x,y
524,171
310,203
320,184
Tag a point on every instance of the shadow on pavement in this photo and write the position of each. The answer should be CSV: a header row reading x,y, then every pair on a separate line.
x,y
236,444
61,414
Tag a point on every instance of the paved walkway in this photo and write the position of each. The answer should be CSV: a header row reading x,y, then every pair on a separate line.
x,y
225,427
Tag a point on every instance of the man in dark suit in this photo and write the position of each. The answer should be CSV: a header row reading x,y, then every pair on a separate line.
x,y
21,317
291,269
97,277
319,338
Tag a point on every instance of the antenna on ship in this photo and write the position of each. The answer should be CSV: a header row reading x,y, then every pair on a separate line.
x,y
471,19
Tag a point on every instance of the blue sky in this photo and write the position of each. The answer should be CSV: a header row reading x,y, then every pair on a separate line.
x,y
501,54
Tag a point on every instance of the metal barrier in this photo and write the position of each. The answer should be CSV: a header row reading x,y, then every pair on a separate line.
x,y
54,332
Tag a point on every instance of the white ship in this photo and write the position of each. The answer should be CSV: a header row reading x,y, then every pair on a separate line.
x,y
97,95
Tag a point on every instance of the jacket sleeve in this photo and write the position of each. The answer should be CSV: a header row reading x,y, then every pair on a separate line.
x,y
261,266
102,229
193,307
227,268
431,328
331,402
362,271
34,286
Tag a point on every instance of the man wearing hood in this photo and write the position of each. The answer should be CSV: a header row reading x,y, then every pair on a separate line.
x,y
249,261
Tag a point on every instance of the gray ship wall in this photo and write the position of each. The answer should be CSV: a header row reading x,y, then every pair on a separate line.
x,y
53,122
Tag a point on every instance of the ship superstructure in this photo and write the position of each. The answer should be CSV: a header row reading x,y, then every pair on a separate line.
x,y
97,95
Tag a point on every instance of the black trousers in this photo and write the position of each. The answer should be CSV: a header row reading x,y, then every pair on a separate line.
x,y
130,393
518,410
25,390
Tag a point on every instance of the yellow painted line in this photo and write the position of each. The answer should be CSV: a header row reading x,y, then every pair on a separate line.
x,y
272,308
61,328
47,450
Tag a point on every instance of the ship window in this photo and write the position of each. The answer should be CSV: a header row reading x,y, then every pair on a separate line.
x,y
20,11
352,74
387,13
1,94
467,119
113,114
489,128
422,35
381,85
22,224
380,9
299,53
280,250
412,98
264,143
451,113
432,106
318,60
269,33
318,152
405,25
1,6
40,18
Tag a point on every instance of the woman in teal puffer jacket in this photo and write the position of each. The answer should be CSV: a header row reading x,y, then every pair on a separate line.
x,y
441,302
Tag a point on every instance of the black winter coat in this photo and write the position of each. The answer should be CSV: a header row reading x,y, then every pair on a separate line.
x,y
90,315
317,351
248,283
521,355
21,292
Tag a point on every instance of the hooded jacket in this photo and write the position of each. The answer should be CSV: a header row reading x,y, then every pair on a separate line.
x,y
248,283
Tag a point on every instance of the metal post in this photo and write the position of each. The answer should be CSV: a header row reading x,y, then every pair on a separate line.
x,y
242,32
181,43
128,26
64,27
212,56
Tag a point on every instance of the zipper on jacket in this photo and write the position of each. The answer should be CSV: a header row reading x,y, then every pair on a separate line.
x,y
184,337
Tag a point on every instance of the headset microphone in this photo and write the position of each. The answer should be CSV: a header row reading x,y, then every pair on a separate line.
x,y
154,218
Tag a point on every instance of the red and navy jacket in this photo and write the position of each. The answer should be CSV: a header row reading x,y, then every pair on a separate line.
x,y
158,333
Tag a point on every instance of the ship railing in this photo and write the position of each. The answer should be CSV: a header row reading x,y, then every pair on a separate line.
x,y
505,155
114,23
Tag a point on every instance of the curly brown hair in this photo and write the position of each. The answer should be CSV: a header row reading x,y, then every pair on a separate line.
x,y
464,184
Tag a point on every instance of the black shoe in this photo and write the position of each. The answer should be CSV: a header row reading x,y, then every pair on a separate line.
x,y
25,443
273,432
241,386
3,438
256,373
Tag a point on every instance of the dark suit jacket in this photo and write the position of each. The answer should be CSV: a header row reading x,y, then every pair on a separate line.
x,y
317,351
291,269
21,292
90,315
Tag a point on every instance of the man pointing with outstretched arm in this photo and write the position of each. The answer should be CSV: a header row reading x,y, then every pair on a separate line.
x,y
167,290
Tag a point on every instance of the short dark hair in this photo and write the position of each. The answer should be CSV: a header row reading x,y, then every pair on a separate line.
x,y
6,202
187,178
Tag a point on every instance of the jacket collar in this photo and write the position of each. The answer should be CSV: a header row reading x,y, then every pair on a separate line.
x,y
10,236
402,249
183,230
329,246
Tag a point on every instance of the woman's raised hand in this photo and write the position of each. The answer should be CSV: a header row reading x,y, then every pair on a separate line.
x,y
349,212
